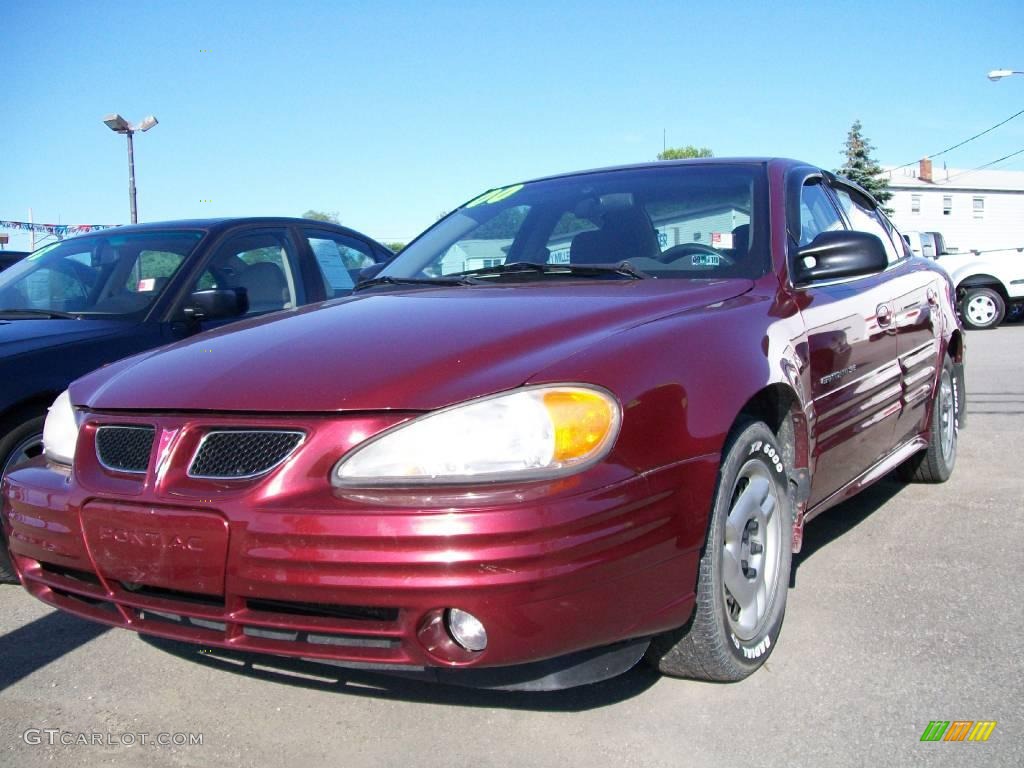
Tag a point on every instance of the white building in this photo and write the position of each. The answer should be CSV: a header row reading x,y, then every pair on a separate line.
x,y
974,210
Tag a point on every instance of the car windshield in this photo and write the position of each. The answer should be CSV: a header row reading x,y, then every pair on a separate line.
x,y
673,221
110,275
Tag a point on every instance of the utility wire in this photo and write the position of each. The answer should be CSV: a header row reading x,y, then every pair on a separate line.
x,y
955,146
986,165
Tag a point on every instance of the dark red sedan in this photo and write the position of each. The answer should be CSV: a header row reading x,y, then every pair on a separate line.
x,y
579,421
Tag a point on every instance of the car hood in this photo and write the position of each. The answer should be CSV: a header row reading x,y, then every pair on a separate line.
x,y
29,335
403,350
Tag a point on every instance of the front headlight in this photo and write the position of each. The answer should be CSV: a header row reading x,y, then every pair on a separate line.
x,y
60,430
531,433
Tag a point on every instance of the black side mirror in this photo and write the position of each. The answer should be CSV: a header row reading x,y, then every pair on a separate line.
x,y
370,272
217,303
839,254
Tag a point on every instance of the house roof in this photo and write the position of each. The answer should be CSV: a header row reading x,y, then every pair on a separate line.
x,y
957,179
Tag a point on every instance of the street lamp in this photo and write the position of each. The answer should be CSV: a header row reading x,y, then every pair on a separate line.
x,y
999,74
118,124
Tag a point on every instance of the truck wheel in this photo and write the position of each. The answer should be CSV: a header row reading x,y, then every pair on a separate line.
x,y
22,443
982,308
744,571
935,464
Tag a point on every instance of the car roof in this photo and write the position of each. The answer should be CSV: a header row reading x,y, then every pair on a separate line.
x,y
224,222
669,163
786,163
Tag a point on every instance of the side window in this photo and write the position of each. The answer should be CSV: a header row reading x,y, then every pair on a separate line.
x,y
152,270
864,218
264,263
902,247
340,258
817,213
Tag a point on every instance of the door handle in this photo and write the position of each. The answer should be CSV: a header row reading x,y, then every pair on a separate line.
x,y
883,314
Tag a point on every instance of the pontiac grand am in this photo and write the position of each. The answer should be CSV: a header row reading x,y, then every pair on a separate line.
x,y
579,421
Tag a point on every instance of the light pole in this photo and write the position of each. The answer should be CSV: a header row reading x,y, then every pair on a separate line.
x,y
118,124
999,74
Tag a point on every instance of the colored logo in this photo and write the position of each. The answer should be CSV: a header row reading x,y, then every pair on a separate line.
x,y
958,730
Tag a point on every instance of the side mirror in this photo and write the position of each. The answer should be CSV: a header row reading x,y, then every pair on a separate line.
x,y
370,272
217,303
839,254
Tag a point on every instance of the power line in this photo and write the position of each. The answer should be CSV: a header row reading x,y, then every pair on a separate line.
x,y
986,165
955,146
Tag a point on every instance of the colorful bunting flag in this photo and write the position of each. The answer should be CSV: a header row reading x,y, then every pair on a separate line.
x,y
60,230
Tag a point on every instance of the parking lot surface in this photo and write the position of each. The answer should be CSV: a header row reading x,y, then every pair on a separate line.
x,y
907,607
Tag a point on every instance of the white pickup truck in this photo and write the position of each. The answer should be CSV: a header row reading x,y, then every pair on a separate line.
x,y
989,286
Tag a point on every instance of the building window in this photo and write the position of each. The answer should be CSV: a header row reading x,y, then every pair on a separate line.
x,y
915,203
979,207
947,205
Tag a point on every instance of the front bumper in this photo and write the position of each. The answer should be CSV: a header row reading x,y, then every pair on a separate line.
x,y
364,579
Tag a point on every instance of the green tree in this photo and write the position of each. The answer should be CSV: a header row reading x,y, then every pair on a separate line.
x,y
682,153
331,216
396,247
861,168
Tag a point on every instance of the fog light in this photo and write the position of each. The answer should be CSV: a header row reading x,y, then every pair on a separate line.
x,y
466,629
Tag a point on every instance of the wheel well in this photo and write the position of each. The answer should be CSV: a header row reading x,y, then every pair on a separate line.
x,y
778,406
955,350
981,281
26,409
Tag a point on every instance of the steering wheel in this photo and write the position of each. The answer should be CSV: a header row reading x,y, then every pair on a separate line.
x,y
683,250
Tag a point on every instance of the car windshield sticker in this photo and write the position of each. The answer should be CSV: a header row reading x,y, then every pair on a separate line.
x,y
333,266
721,239
705,260
146,284
495,195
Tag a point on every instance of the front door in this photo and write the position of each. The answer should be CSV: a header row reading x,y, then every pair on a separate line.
x,y
855,374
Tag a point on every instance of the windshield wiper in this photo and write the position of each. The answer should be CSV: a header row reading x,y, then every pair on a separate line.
x,y
623,268
462,279
52,314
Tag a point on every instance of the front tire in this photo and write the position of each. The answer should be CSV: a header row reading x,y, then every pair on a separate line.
x,y
982,308
23,442
744,571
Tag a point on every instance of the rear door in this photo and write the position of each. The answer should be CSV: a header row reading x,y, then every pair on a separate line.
x,y
855,375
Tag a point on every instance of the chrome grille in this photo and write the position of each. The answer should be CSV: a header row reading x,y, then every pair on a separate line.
x,y
125,448
240,454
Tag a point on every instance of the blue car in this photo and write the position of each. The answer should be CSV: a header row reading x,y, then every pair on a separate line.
x,y
79,304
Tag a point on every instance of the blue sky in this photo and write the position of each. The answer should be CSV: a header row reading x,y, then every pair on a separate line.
x,y
389,113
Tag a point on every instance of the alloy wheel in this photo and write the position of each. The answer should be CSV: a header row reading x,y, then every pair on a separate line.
x,y
751,550
28,448
947,417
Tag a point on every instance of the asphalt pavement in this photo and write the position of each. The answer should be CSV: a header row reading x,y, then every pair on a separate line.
x,y
907,607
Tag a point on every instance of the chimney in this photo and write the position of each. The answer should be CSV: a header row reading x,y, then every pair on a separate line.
x,y
924,172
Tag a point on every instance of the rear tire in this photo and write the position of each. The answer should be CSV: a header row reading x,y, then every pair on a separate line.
x,y
23,442
935,464
744,571
982,308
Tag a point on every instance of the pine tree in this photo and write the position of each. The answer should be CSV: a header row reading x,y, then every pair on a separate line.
x,y
861,168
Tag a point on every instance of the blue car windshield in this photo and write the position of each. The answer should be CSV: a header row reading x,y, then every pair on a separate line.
x,y
104,275
699,221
